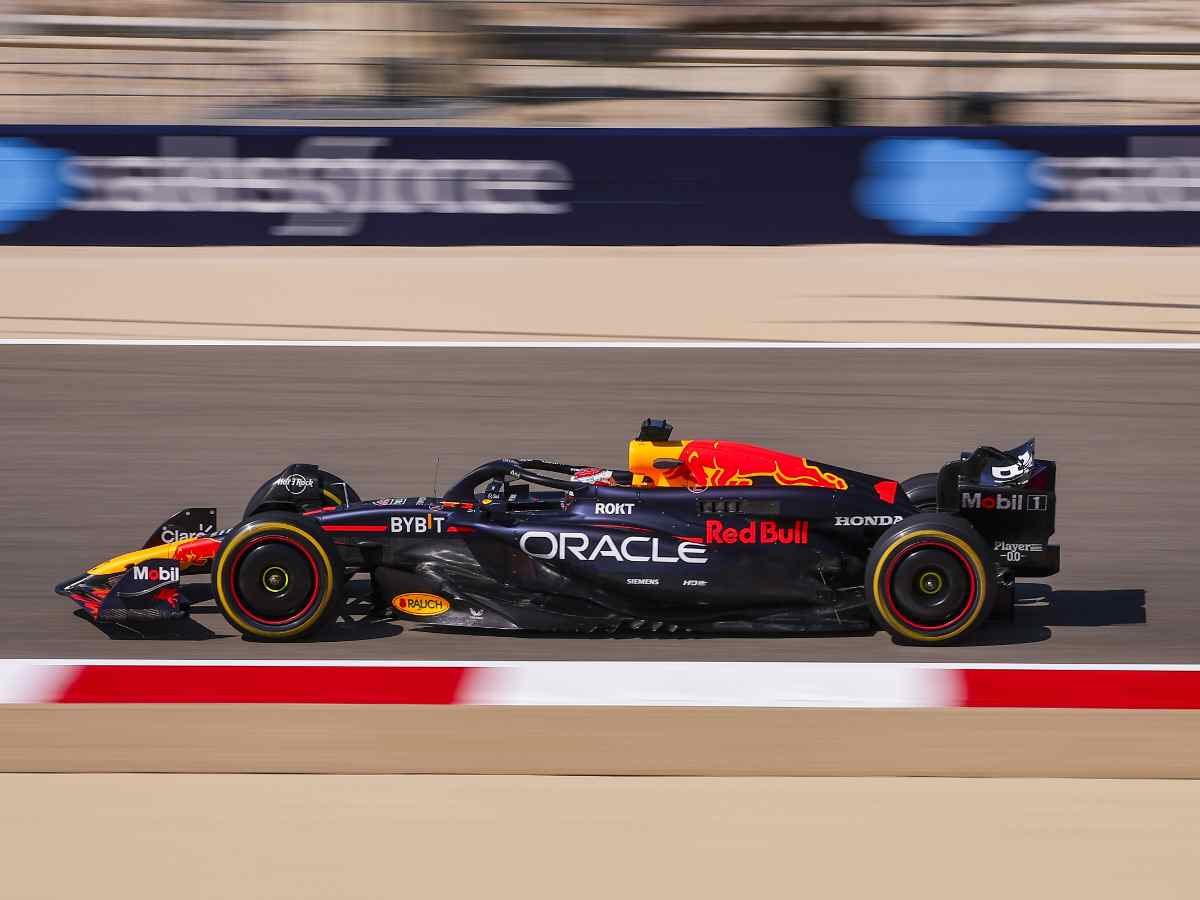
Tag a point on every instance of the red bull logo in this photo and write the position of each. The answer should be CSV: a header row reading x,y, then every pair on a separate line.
x,y
726,464
765,532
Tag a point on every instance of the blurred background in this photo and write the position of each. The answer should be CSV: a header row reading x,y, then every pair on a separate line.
x,y
186,235
618,63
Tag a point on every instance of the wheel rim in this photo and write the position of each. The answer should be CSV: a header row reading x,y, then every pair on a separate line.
x,y
930,585
274,580
930,582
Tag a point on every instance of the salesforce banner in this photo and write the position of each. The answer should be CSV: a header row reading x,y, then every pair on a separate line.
x,y
412,186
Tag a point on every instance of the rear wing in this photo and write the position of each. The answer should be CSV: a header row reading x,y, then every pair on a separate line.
x,y
1009,497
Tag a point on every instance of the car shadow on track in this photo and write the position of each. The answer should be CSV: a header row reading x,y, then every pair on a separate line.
x,y
1040,608
625,635
192,629
1081,608
356,625
186,629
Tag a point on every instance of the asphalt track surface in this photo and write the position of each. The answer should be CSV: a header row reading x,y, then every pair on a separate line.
x,y
101,444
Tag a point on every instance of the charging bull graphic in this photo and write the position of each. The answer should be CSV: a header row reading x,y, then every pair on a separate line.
x,y
728,464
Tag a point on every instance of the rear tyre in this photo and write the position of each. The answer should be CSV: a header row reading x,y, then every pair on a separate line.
x,y
927,579
276,577
922,491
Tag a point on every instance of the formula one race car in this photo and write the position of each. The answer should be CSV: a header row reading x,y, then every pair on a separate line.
x,y
699,536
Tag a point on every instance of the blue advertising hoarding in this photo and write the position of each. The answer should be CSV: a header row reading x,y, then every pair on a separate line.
x,y
448,186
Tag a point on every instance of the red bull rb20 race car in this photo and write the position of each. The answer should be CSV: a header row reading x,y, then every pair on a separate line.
x,y
707,536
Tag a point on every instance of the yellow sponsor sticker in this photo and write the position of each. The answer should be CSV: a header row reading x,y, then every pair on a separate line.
x,y
421,604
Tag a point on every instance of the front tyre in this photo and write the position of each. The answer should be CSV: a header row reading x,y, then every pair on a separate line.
x,y
927,579
277,577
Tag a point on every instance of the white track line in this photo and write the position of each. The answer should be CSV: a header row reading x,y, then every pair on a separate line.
x,y
617,345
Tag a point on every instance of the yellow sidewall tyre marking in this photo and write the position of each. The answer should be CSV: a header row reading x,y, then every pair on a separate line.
x,y
337,501
230,609
882,608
